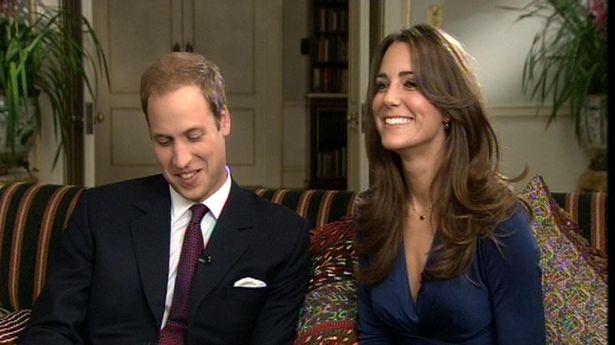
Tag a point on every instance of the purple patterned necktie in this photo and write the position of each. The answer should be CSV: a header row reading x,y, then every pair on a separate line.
x,y
174,332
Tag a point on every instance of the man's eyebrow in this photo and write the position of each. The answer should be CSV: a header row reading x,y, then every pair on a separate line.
x,y
193,129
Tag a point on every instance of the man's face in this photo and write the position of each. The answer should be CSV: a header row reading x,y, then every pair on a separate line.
x,y
189,144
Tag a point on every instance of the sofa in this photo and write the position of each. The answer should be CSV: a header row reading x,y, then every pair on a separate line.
x,y
570,229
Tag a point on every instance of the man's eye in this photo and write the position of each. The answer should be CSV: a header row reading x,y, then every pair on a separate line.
x,y
194,137
163,141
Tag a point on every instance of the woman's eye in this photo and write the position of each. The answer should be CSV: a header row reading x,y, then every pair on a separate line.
x,y
410,84
380,86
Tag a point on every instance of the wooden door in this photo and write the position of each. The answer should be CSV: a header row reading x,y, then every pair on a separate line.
x,y
243,39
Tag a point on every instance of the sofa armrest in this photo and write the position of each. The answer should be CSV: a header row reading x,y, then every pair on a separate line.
x,y
319,206
588,211
32,217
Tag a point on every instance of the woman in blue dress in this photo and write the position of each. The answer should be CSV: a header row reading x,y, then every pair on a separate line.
x,y
446,250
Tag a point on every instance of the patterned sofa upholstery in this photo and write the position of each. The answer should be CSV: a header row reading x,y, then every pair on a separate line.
x,y
32,217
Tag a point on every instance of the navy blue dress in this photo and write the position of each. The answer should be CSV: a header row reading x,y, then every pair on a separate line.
x,y
501,304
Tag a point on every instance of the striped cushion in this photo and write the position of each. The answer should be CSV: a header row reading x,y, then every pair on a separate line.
x,y
318,206
32,217
588,210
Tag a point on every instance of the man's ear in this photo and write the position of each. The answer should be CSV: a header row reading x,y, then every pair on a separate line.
x,y
225,121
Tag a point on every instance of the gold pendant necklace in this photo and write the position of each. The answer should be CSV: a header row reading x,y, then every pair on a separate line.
x,y
421,216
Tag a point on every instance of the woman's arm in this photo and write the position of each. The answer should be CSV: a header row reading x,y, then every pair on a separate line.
x,y
514,279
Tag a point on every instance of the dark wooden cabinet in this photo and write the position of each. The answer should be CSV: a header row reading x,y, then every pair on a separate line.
x,y
327,97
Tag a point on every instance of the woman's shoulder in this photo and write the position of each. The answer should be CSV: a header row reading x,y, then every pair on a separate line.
x,y
520,220
514,234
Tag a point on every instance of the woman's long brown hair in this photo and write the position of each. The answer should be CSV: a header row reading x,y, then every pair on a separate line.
x,y
470,198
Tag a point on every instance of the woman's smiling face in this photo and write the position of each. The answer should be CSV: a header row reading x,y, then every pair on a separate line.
x,y
404,117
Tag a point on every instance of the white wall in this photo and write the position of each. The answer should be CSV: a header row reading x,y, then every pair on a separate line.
x,y
294,149
42,157
499,46
46,145
294,118
45,150
552,153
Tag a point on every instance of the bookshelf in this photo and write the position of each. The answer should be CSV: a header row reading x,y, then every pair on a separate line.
x,y
329,46
328,142
327,93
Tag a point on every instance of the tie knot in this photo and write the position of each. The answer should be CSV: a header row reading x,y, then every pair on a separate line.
x,y
198,211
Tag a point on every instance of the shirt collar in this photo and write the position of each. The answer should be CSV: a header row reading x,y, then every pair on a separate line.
x,y
215,202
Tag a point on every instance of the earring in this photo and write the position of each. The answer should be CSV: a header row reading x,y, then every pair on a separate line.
x,y
447,125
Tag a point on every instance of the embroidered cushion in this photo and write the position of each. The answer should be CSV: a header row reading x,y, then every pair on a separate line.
x,y
574,277
329,312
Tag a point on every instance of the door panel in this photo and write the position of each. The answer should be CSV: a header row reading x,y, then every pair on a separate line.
x,y
225,32
130,139
244,40
137,34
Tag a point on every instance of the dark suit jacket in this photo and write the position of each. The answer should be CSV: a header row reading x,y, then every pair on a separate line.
x,y
108,280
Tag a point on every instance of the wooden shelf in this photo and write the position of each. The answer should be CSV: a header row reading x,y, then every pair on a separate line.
x,y
327,97
328,28
328,143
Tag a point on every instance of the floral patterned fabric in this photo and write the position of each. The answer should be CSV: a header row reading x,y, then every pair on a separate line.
x,y
329,313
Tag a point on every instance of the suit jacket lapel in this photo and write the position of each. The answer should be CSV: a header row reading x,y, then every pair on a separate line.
x,y
229,240
151,241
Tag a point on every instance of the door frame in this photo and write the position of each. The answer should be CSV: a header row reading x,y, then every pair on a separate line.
x,y
74,164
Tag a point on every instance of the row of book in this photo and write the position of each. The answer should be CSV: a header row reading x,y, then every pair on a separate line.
x,y
330,80
331,49
331,163
331,20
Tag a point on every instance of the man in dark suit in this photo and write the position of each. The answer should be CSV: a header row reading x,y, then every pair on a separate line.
x,y
114,275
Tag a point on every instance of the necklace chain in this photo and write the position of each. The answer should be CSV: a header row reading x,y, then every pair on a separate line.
x,y
421,216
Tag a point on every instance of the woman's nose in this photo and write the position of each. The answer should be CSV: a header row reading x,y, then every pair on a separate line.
x,y
391,97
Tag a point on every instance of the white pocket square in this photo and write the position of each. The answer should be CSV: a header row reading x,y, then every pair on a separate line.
x,y
249,282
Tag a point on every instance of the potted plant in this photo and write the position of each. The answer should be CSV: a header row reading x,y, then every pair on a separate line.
x,y
39,56
567,65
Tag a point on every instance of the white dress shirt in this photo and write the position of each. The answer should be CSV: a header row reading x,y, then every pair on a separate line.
x,y
180,217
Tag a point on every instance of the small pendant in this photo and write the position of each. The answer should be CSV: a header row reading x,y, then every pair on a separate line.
x,y
421,217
